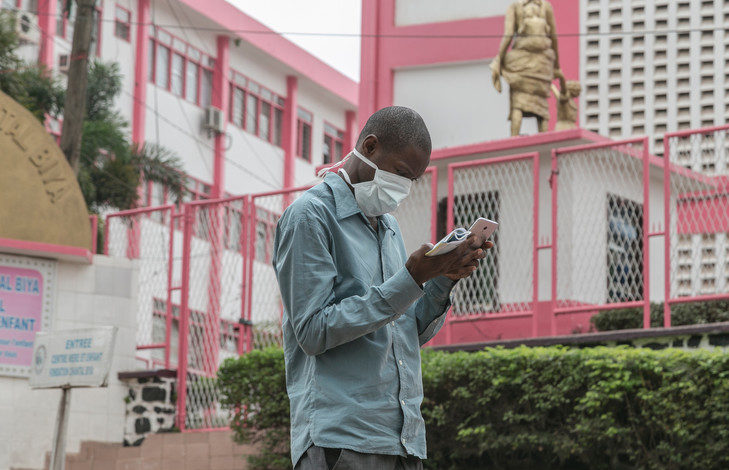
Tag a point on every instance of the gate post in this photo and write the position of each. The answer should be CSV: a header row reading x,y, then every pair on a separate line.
x,y
184,317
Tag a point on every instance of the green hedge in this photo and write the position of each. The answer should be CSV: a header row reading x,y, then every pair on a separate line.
x,y
525,408
694,313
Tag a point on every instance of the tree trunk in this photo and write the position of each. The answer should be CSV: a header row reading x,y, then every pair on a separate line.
x,y
75,106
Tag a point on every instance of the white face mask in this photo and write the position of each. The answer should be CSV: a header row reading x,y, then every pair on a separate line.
x,y
381,195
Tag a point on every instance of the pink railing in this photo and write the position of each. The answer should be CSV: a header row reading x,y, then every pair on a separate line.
x,y
206,276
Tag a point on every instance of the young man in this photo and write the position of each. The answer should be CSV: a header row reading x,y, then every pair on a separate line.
x,y
357,309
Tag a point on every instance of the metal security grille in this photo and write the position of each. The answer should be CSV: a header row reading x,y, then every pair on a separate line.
x,y
416,214
504,190
145,235
212,304
601,226
699,214
265,309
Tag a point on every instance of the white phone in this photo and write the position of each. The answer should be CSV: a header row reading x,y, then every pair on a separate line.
x,y
483,228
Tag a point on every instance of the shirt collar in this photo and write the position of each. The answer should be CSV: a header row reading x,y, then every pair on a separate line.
x,y
344,201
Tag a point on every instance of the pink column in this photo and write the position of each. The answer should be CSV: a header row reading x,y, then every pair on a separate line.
x,y
369,60
220,101
350,131
289,130
47,25
140,72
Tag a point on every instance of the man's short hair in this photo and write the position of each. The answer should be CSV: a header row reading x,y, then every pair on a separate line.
x,y
397,127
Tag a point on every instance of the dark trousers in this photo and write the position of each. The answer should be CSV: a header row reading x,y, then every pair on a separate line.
x,y
320,458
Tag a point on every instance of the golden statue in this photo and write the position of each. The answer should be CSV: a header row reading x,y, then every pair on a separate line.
x,y
566,107
531,64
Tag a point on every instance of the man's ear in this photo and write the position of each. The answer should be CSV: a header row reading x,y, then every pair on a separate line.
x,y
369,145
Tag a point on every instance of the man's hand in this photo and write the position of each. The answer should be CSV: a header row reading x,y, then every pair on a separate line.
x,y
457,264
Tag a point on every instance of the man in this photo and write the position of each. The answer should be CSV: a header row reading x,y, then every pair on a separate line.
x,y
357,309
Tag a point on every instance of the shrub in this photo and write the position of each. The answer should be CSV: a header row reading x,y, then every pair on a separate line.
x,y
693,313
254,387
546,408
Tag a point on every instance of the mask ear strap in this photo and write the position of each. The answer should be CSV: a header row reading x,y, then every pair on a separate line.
x,y
362,157
327,169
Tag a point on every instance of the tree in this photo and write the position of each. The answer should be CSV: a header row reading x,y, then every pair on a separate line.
x,y
110,168
77,82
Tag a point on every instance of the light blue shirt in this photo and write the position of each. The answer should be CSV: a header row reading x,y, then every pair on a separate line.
x,y
354,320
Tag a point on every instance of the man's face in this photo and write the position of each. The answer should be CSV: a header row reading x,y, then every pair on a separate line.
x,y
409,162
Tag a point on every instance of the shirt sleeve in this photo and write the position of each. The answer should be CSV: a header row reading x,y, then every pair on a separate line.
x,y
306,273
431,309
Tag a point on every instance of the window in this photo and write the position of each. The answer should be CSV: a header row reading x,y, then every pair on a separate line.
x,y
256,109
161,64
206,88
624,250
122,21
177,72
333,144
480,292
303,134
180,68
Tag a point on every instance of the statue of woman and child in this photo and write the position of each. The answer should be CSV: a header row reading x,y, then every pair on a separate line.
x,y
531,65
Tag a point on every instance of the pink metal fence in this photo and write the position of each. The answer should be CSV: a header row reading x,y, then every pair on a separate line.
x,y
696,208
417,215
212,306
601,228
147,235
505,189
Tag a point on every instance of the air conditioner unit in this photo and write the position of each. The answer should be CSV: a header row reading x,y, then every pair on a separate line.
x,y
214,119
26,27
64,63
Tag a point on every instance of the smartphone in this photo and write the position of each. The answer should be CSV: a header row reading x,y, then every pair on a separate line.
x,y
483,228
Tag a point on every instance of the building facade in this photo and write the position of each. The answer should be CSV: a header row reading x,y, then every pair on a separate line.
x,y
245,109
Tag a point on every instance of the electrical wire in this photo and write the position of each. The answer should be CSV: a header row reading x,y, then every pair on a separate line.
x,y
403,36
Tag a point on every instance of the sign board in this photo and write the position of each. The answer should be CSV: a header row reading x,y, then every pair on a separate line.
x,y
26,299
73,358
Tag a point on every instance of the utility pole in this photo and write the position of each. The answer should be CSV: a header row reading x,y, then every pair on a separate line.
x,y
75,106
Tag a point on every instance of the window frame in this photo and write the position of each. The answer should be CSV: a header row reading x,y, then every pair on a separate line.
x,y
336,138
251,88
300,123
189,53
128,24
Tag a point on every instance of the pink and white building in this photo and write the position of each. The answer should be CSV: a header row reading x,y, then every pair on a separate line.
x,y
281,110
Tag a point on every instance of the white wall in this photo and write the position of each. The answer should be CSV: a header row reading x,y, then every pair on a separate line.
x,y
408,12
458,103
86,296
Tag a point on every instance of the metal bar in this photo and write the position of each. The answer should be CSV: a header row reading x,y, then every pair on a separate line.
x,y
544,247
491,316
182,349
554,185
590,308
58,451
688,132
142,210
493,160
599,145
168,306
699,298
535,242
667,228
242,331
646,239
656,234
433,204
281,192
250,246
449,227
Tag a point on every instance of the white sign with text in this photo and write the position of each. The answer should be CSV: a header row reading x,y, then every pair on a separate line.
x,y
72,358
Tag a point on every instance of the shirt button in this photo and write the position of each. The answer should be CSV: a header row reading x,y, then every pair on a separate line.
x,y
400,361
403,402
392,323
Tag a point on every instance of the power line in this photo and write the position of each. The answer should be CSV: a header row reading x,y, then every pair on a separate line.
x,y
401,36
